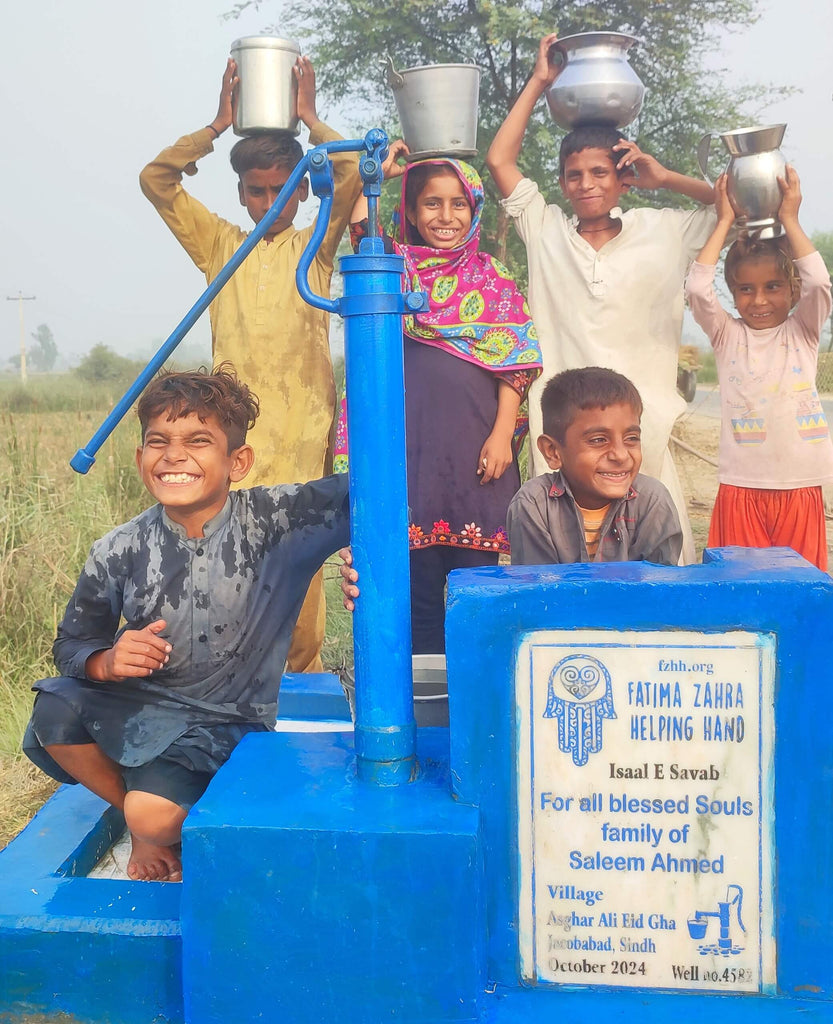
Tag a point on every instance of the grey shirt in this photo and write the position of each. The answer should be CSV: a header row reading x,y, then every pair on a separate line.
x,y
545,526
230,600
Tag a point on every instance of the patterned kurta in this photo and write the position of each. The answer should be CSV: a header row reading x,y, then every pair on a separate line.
x,y
230,600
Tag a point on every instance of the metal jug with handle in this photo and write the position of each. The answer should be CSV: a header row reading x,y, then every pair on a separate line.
x,y
438,107
597,84
268,93
754,166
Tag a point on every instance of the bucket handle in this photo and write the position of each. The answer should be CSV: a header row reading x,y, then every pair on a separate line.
x,y
392,76
703,149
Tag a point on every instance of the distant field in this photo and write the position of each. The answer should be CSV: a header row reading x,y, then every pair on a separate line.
x,y
57,392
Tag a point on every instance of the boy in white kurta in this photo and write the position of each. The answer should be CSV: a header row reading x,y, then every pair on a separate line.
x,y
605,287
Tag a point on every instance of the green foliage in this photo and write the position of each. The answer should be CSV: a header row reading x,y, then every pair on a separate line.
x,y
707,371
102,365
346,38
823,241
43,354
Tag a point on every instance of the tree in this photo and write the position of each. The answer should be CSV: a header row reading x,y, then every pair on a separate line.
x,y
44,353
683,99
101,365
823,241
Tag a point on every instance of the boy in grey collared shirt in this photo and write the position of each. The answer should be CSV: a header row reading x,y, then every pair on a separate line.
x,y
173,643
595,505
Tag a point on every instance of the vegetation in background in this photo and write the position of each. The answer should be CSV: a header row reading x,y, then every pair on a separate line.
x,y
101,365
347,38
42,356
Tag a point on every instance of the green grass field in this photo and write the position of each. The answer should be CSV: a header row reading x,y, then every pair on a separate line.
x,y
49,517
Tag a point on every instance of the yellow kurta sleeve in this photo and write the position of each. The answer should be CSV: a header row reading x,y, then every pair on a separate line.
x,y
195,227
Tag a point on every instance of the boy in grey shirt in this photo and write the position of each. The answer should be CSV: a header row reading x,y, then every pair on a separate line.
x,y
594,505
173,643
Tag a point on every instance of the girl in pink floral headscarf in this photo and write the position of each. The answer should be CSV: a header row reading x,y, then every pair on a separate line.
x,y
469,360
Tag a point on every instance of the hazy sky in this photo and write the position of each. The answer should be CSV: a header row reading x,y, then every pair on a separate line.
x,y
93,90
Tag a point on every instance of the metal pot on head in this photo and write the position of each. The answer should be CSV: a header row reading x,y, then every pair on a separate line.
x,y
437,106
267,97
755,164
597,84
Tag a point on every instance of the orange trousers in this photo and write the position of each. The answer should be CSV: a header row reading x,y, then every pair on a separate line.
x,y
754,518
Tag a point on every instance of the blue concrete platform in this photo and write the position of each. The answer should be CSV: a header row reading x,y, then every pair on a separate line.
x,y
336,893
71,944
97,949
310,895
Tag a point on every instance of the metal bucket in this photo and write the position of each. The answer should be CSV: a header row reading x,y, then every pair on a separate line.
x,y
267,94
437,106
430,689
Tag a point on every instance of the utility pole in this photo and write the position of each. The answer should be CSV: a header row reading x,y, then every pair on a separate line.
x,y
20,298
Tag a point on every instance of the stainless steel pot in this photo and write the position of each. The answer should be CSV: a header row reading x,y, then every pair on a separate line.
x,y
438,107
597,84
268,93
754,166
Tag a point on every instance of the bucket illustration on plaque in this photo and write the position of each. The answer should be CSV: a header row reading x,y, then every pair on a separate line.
x,y
731,932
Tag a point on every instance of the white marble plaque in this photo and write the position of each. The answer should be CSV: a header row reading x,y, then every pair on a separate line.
x,y
645,816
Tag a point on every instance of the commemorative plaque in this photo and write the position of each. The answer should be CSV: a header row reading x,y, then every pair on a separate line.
x,y
645,809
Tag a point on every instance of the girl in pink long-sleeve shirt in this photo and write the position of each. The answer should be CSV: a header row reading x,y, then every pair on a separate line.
x,y
775,447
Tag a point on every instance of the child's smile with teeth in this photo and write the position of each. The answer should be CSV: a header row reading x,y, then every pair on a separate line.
x,y
187,466
600,453
442,214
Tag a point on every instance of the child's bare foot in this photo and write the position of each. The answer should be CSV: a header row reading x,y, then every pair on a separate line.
x,y
151,863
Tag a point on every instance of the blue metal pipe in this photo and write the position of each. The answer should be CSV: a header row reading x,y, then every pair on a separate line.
x,y
385,731
373,305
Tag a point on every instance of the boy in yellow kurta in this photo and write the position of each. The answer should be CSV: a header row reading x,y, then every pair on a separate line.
x,y
259,322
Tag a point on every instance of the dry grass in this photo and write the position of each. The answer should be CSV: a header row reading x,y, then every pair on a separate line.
x,y
23,790
49,517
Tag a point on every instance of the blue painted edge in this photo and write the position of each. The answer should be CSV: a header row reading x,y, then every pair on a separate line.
x,y
39,890
314,697
536,1005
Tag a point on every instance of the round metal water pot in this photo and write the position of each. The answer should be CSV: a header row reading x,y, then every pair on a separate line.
x,y
753,170
597,84
437,106
268,93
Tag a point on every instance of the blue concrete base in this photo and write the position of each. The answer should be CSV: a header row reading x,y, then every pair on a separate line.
x,y
103,950
313,697
310,896
537,1006
98,949
339,899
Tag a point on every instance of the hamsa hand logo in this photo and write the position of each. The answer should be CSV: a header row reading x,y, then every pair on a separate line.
x,y
573,680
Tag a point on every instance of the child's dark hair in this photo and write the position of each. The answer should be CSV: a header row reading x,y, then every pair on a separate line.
x,y
592,387
753,250
264,151
589,136
207,393
418,176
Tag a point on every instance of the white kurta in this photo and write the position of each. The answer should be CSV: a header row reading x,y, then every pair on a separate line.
x,y
620,307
